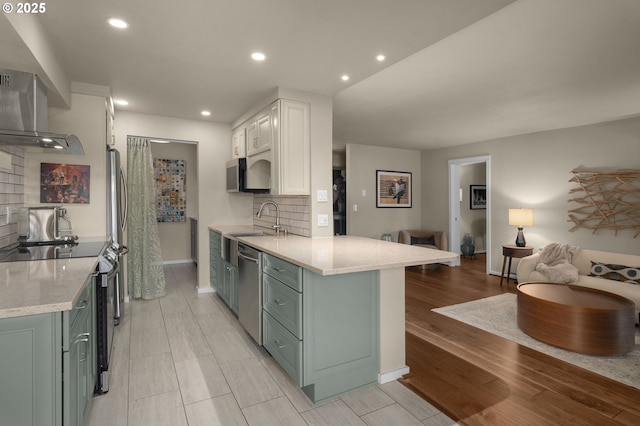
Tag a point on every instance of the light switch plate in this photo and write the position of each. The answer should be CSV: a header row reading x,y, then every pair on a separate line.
x,y
323,220
322,196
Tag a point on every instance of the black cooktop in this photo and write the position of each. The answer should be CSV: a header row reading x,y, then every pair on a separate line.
x,y
17,253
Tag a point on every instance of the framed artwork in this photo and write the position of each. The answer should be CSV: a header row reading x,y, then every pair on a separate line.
x,y
64,183
171,192
478,197
393,189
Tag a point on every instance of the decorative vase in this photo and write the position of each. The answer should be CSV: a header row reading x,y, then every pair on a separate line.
x,y
468,249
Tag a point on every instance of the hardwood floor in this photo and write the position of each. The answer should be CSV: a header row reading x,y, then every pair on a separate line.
x,y
481,379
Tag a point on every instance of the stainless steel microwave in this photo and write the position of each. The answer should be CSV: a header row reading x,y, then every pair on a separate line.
x,y
238,179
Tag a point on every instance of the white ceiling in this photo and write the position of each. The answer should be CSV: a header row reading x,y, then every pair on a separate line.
x,y
457,71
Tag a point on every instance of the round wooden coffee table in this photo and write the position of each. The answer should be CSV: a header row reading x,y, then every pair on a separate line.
x,y
575,318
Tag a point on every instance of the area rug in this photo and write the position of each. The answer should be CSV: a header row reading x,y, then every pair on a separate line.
x,y
498,315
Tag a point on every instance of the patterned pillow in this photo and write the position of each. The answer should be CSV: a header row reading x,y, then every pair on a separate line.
x,y
622,273
430,241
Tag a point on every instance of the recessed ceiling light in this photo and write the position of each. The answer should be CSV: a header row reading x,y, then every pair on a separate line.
x,y
258,56
121,102
345,78
117,23
380,58
206,113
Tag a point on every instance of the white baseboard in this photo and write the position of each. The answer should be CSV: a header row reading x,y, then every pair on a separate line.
x,y
175,262
203,290
390,376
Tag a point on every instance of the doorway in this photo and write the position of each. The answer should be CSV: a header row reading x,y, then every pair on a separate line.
x,y
460,197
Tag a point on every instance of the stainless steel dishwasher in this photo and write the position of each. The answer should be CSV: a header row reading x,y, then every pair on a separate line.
x,y
250,290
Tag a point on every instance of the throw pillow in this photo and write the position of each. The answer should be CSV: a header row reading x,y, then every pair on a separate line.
x,y
628,274
429,241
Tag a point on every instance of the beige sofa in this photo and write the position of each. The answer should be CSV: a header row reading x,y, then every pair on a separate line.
x,y
527,272
429,239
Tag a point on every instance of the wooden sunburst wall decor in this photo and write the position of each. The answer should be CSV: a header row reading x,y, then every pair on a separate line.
x,y
608,200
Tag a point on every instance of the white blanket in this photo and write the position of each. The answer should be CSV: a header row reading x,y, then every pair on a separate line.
x,y
555,263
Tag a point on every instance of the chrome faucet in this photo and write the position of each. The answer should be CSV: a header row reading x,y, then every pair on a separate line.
x,y
277,225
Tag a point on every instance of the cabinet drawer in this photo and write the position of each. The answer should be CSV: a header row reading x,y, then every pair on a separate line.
x,y
285,272
84,302
283,303
285,348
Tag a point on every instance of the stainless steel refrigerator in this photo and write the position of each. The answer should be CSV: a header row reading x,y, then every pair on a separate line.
x,y
116,222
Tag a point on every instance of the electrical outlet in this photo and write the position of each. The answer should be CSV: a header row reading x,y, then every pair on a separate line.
x,y
364,192
355,207
323,220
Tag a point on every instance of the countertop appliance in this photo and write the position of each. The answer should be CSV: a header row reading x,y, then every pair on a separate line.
x,y
241,179
117,222
44,226
24,118
250,290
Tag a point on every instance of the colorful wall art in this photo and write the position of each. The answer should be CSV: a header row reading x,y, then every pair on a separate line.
x,y
171,192
64,183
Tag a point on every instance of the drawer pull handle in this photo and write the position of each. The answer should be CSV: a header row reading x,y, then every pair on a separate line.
x,y
278,302
82,304
279,344
280,270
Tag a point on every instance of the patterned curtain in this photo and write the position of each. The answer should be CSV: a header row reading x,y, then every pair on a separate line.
x,y
145,272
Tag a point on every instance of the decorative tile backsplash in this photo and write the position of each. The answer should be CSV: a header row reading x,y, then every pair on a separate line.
x,y
11,193
294,213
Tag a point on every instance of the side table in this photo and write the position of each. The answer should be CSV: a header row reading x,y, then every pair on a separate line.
x,y
510,251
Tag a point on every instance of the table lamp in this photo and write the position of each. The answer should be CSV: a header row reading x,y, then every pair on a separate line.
x,y
520,218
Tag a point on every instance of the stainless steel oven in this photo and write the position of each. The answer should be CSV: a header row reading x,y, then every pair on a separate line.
x,y
105,303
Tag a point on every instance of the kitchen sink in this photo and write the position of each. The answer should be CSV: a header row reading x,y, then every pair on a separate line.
x,y
247,234
230,244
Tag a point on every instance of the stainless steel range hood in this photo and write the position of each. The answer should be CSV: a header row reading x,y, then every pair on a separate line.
x,y
23,116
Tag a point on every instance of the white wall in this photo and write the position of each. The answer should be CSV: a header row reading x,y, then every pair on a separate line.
x,y
215,205
533,171
369,221
175,237
87,120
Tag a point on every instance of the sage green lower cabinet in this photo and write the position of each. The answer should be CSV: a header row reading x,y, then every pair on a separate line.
x,y
79,359
326,336
31,370
47,366
229,287
215,259
223,276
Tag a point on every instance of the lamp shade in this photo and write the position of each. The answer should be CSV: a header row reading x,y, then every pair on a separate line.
x,y
521,217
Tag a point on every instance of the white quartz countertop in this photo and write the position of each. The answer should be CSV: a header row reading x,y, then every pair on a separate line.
x,y
340,254
42,286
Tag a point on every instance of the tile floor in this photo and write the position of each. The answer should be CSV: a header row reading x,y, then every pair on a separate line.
x,y
185,360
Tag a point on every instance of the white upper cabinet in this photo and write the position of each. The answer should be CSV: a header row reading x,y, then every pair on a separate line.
x,y
259,133
238,144
291,164
277,147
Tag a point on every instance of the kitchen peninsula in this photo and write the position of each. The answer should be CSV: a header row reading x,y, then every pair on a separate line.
x,y
346,328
